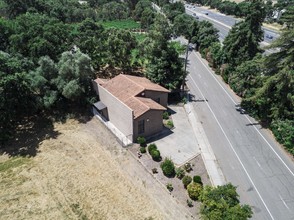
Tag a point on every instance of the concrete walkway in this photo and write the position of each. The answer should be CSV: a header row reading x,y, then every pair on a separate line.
x,y
181,144
215,173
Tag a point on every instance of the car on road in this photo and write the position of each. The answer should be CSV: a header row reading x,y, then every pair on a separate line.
x,y
194,14
205,12
269,36
240,109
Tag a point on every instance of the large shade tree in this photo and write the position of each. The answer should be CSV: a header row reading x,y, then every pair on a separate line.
x,y
242,42
273,102
164,65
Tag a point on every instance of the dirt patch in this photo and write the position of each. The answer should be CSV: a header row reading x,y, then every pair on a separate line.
x,y
82,174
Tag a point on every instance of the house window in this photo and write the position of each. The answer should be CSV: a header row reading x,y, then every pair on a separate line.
x,y
158,100
141,127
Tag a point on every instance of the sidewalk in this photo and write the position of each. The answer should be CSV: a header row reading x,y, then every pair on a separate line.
x,y
215,173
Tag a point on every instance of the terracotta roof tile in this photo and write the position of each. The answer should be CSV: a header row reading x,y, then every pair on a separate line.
x,y
126,88
122,88
140,105
146,83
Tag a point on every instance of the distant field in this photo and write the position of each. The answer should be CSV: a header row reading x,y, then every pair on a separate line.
x,y
121,24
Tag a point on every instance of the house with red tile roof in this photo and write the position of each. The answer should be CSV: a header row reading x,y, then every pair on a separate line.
x,y
133,104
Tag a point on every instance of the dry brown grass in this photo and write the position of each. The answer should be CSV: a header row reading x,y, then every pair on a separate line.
x,y
81,174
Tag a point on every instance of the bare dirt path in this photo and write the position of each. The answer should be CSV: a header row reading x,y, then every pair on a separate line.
x,y
83,174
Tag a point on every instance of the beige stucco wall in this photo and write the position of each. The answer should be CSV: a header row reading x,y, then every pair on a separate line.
x,y
155,95
118,113
153,123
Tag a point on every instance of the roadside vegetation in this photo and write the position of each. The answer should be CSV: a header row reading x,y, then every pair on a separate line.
x,y
264,82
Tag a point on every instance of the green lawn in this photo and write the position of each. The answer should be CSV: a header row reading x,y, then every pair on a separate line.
x,y
121,24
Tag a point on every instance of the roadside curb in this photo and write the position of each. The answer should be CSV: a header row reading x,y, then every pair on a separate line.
x,y
214,171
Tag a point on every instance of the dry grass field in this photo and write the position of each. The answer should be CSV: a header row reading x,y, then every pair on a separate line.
x,y
82,173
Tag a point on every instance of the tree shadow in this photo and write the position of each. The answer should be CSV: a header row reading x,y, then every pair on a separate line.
x,y
30,133
253,124
28,136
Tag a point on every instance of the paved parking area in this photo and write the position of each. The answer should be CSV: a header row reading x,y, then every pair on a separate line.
x,y
181,144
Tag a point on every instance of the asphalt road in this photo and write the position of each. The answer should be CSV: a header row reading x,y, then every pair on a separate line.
x,y
224,22
248,155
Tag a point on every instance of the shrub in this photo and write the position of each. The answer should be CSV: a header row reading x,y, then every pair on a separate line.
x,y
170,187
154,170
186,180
189,203
152,147
180,173
141,141
188,167
168,167
155,154
194,190
165,115
197,179
143,150
170,124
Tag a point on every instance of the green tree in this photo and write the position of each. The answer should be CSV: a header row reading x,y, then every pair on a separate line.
x,y
273,101
222,203
164,65
246,78
74,76
287,17
16,102
187,26
42,82
114,11
206,36
39,35
242,42
6,27
147,18
91,41
194,190
173,9
140,7
119,44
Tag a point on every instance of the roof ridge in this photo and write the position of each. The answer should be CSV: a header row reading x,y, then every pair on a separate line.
x,y
142,102
125,75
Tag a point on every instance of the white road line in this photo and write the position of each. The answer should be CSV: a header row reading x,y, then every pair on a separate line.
x,y
284,202
257,162
233,150
246,117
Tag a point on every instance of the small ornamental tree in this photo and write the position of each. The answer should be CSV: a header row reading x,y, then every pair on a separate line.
x,y
194,190
155,154
197,179
180,173
165,115
143,150
186,180
168,167
141,141
152,147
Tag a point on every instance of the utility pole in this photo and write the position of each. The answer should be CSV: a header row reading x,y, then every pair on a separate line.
x,y
185,67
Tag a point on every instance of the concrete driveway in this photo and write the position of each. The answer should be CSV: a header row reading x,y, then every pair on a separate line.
x,y
181,144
